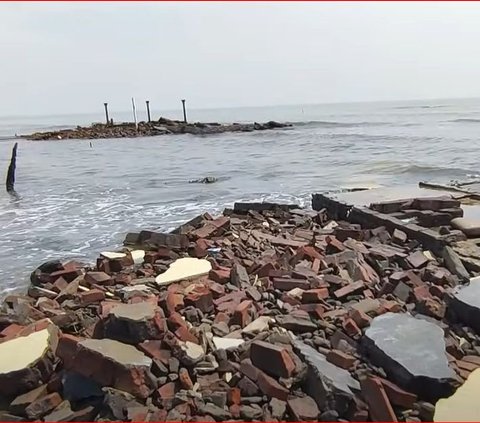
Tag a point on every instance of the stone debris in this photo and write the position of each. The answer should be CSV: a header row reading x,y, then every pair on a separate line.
x,y
269,312
162,126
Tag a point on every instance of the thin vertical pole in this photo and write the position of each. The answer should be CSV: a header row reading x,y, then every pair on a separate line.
x,y
184,112
134,113
106,113
148,111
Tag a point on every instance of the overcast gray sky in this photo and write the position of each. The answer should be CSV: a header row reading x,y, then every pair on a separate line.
x,y
69,57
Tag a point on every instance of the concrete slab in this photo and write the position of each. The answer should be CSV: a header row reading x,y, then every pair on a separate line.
x,y
184,269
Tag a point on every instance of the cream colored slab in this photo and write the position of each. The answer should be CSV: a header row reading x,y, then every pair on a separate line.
x,y
111,255
463,405
183,269
20,353
138,256
225,343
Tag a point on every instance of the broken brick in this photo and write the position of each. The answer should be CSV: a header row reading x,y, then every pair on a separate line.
x,y
272,359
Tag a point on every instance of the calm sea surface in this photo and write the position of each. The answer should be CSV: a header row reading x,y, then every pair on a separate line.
x,y
76,200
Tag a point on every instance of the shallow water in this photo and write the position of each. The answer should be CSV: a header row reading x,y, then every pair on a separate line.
x,y
76,200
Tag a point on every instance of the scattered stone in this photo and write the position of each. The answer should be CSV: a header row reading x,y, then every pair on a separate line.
x,y
325,382
385,342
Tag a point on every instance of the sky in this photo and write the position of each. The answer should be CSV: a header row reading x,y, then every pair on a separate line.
x,y
72,57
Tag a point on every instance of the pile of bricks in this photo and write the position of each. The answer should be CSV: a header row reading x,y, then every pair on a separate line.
x,y
266,313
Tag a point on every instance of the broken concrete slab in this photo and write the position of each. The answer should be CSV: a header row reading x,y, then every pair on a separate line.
x,y
412,352
184,269
109,363
27,361
329,385
135,323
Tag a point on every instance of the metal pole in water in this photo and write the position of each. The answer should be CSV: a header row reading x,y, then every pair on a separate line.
x,y
134,113
106,113
148,111
184,112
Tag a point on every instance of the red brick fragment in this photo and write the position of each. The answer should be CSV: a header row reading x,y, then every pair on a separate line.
x,y
398,396
91,297
98,278
220,275
272,359
360,318
11,331
380,408
350,289
340,359
271,387
314,295
201,298
234,396
351,328
241,315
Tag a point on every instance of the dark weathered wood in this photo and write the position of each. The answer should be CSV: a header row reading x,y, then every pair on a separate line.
x,y
11,170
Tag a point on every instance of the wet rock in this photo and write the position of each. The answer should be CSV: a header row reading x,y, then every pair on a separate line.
x,y
206,180
109,363
184,269
421,368
27,361
466,303
326,383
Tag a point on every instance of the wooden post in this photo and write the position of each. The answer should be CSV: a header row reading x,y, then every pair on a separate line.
x,y
184,112
148,111
11,171
106,113
134,113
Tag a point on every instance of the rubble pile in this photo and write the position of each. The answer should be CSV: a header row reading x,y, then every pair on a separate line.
x,y
147,129
266,313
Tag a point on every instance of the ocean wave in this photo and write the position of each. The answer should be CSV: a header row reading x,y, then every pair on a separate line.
x,y
465,120
426,106
417,169
336,124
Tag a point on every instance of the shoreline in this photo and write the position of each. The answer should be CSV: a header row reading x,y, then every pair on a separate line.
x,y
149,129
268,311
